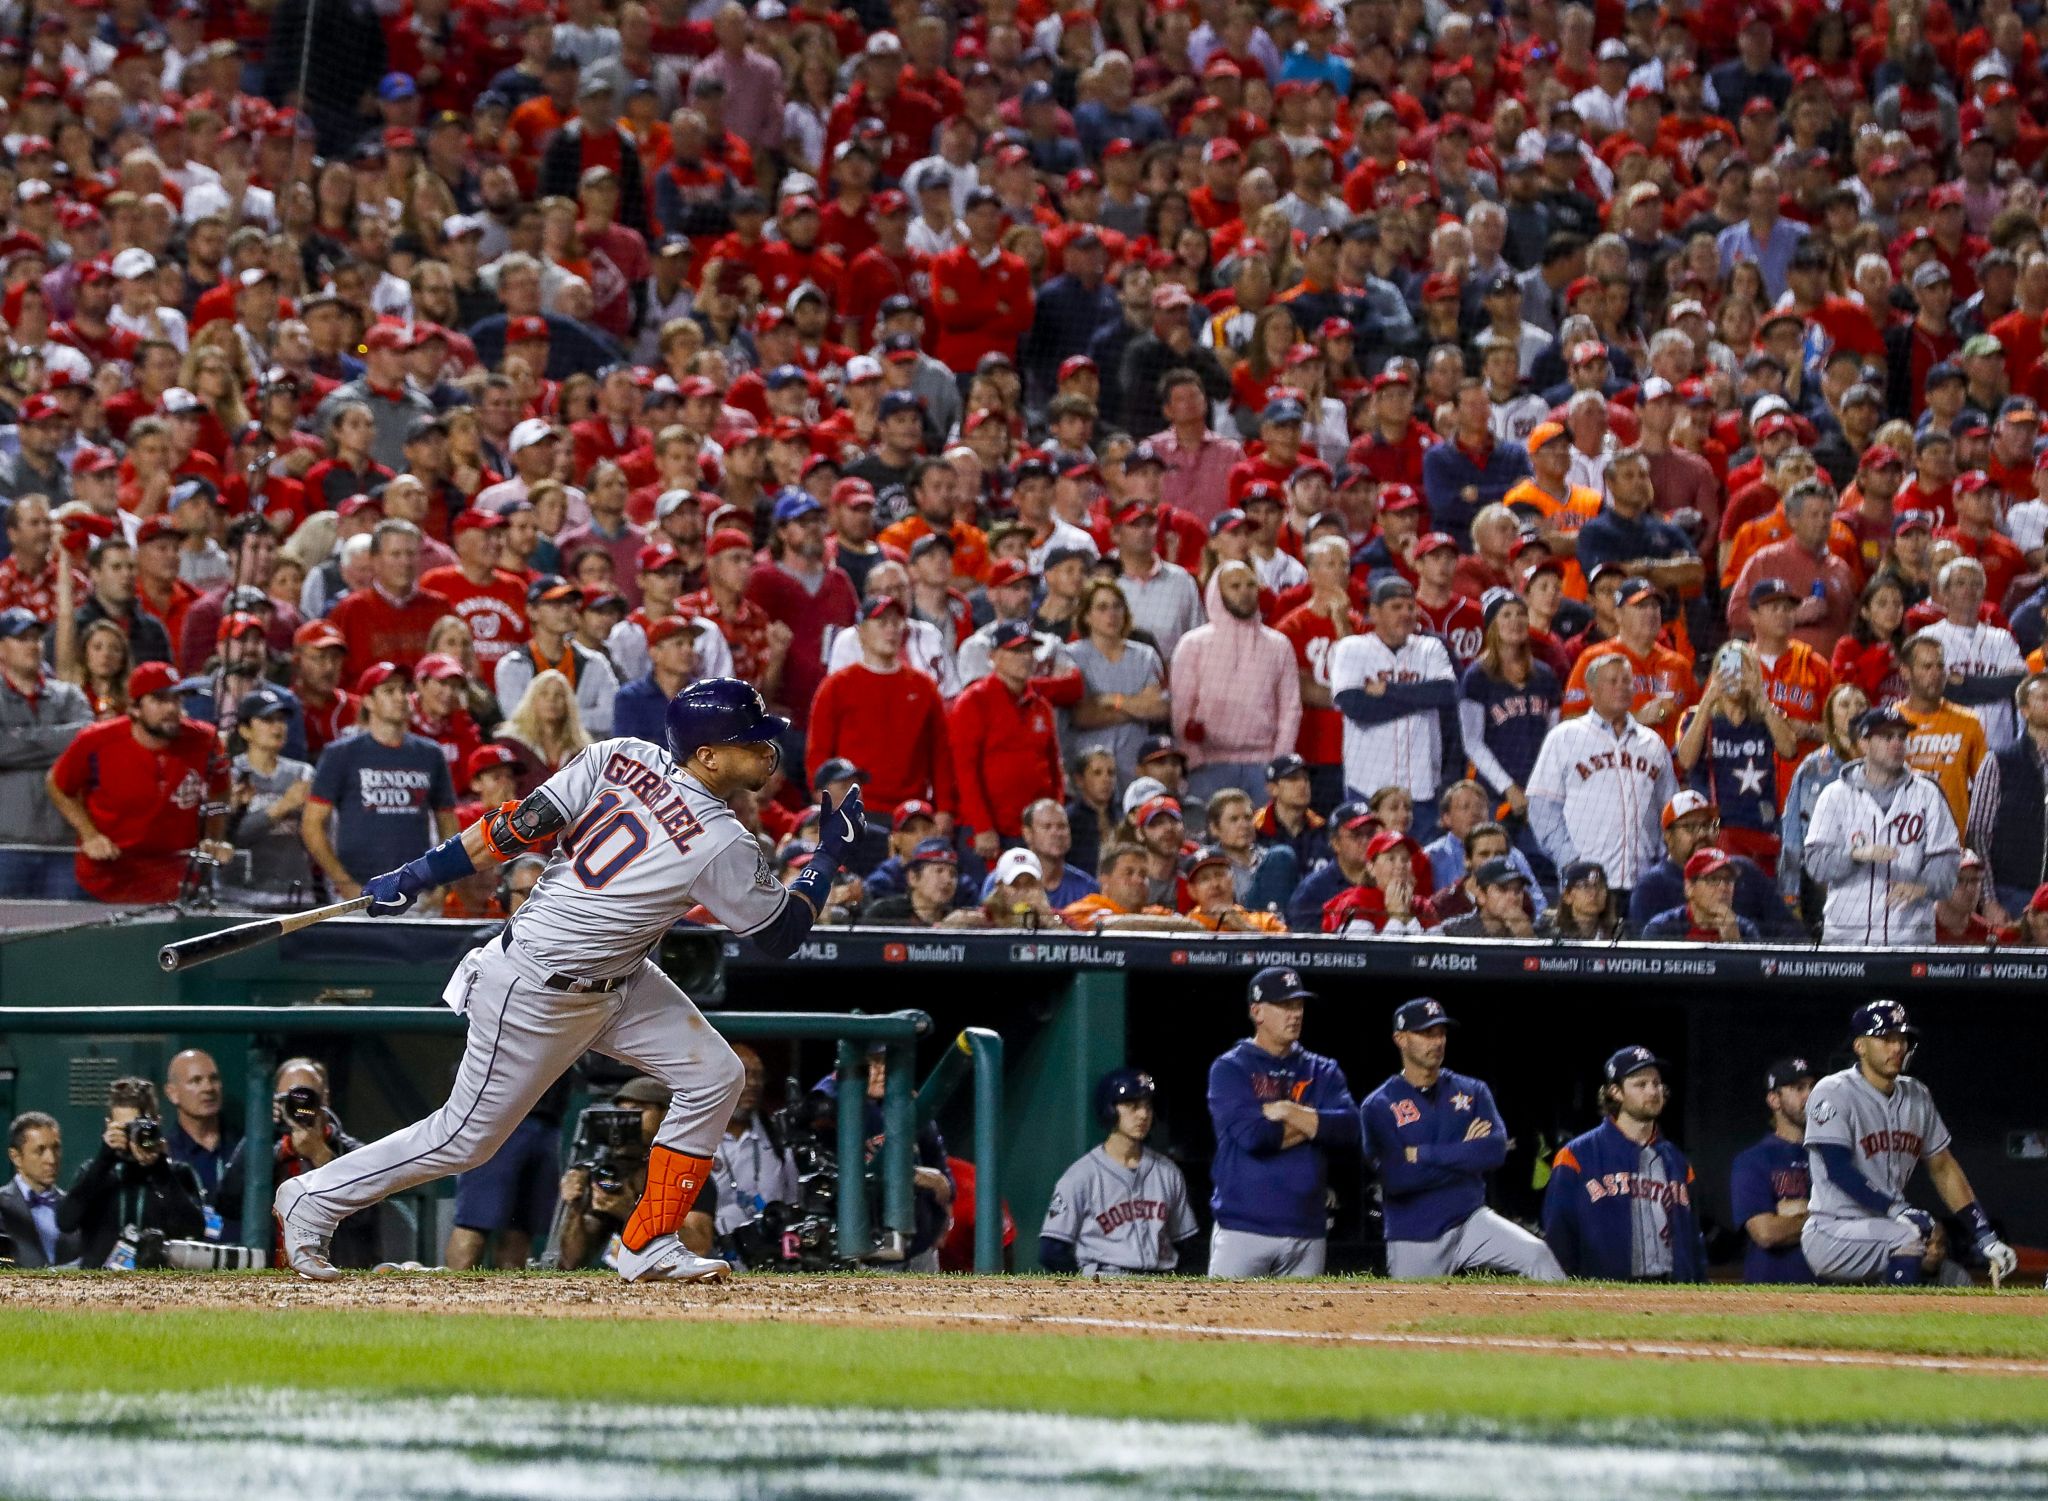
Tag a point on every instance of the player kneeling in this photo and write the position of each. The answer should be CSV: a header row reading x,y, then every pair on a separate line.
x,y
1434,1136
1122,1208
1867,1129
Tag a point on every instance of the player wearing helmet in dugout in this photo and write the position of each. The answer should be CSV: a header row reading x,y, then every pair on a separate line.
x,y
1121,1208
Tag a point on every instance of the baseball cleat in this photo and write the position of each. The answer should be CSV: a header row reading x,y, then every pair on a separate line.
x,y
666,1259
304,1252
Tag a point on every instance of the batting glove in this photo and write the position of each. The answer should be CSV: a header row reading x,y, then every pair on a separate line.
x,y
389,894
1921,1221
2003,1260
840,829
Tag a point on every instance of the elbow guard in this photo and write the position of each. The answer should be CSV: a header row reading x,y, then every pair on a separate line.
x,y
511,829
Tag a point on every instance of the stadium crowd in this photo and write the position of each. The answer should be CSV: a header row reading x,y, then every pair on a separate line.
x,y
1384,468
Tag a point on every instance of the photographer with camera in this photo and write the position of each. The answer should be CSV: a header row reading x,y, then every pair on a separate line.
x,y
751,1167
131,1184
933,1182
306,1134
604,1183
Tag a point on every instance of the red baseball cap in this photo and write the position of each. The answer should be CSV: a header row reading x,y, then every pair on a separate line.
x,y
476,520
527,330
491,757
916,807
656,556
1006,571
670,625
377,674
1706,862
437,667
1399,497
388,336
93,460
1430,542
728,539
151,677
239,624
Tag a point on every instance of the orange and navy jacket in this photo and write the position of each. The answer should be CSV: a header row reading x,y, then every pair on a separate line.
x,y
1589,1206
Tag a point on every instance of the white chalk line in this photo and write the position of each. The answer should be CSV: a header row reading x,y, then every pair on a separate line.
x,y
1754,1354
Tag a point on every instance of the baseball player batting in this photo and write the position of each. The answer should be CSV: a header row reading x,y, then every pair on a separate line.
x,y
644,835
1867,1128
1121,1208
1434,1135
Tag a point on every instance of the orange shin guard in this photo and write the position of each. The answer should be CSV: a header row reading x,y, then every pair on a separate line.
x,y
673,1181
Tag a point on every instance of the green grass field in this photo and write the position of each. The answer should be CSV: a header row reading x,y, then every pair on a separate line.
x,y
387,1353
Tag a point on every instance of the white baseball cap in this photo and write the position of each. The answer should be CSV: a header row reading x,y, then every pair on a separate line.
x,y
533,430
863,367
1684,804
1656,388
1017,863
133,262
1141,791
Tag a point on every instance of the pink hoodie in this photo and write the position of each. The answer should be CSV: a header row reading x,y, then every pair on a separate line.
x,y
1237,680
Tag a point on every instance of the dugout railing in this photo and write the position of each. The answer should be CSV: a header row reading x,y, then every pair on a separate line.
x,y
262,1029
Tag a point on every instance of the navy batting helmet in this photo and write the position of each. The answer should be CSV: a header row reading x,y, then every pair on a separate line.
x,y
719,711
1117,1085
1880,1018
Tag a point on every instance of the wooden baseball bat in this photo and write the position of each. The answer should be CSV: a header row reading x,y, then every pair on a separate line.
x,y
210,946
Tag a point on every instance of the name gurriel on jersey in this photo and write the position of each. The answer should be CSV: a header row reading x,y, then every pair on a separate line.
x,y
664,803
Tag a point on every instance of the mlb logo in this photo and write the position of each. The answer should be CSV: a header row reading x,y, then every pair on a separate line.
x,y
1769,966
894,953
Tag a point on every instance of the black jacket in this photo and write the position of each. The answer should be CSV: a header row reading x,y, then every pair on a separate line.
x,y
561,172
18,1226
113,1192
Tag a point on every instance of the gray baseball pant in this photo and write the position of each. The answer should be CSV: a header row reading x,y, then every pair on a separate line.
x,y
1856,1249
1485,1242
523,1036
1239,1253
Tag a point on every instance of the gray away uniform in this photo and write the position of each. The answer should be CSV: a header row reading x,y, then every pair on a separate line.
x,y
1890,1135
1121,1219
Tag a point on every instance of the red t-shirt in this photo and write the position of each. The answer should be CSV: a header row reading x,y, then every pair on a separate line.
x,y
494,611
379,630
144,798
328,721
457,736
1311,633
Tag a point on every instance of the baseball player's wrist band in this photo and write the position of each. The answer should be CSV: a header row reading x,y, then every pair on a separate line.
x,y
814,882
1979,1222
445,862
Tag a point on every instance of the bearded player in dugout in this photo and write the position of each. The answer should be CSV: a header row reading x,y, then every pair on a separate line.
x,y
646,833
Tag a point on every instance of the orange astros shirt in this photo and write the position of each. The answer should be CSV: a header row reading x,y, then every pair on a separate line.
x,y
1948,744
1663,673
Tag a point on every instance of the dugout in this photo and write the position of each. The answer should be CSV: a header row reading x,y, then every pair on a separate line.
x,y
1538,1021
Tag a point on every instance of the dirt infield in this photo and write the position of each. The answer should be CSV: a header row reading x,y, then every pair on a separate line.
x,y
1336,1312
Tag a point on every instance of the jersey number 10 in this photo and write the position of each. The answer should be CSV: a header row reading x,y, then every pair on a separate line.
x,y
606,841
